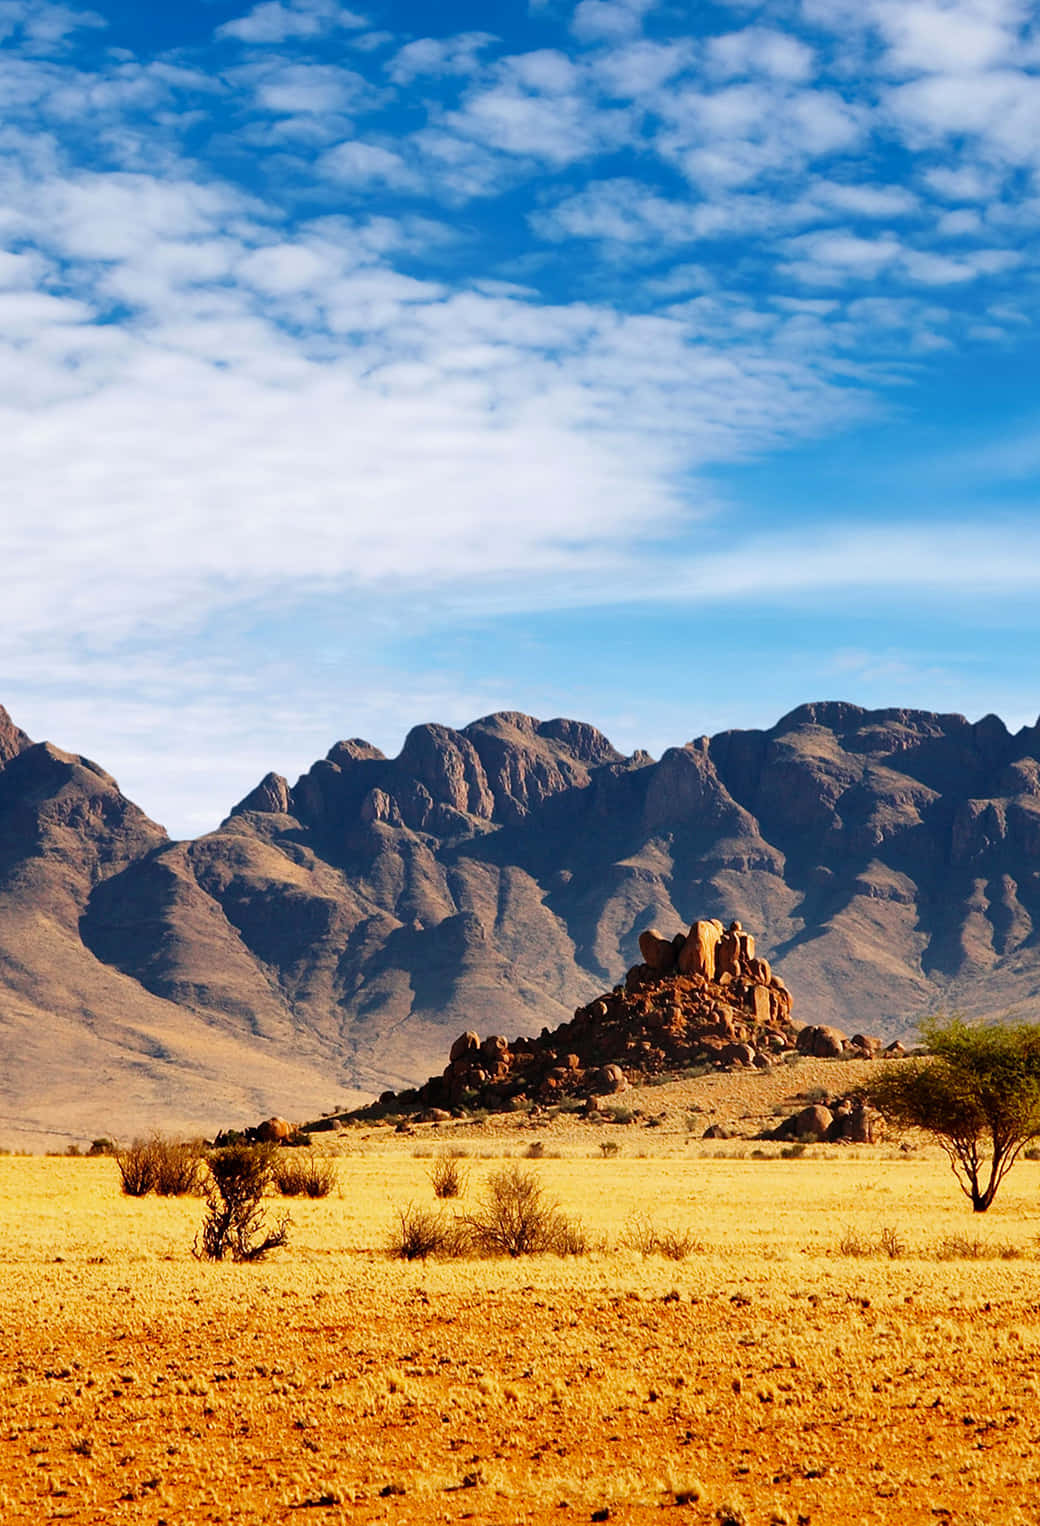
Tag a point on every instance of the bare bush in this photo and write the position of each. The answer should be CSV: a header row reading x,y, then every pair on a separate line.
x,y
136,1168
304,1174
642,1234
169,1167
516,1218
421,1232
448,1176
852,1243
179,1167
234,1223
890,1244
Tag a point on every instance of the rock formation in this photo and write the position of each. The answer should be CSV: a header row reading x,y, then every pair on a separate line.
x,y
699,997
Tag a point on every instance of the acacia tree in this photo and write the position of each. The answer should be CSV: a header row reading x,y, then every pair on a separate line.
x,y
977,1093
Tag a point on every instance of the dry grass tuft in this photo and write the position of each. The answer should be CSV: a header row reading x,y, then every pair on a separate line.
x,y
643,1235
303,1174
448,1176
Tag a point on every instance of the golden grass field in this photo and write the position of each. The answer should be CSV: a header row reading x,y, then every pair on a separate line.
x,y
767,1378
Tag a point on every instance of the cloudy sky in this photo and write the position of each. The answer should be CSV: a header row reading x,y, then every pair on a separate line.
x,y
361,367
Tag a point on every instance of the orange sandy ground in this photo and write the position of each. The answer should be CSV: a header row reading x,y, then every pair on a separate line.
x,y
767,1378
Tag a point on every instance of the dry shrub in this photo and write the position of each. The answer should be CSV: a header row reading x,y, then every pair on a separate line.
x,y
852,1243
178,1167
169,1167
420,1232
960,1247
516,1218
888,1243
234,1223
136,1168
642,1234
306,1174
448,1176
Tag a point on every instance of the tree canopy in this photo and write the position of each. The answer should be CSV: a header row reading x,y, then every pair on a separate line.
x,y
977,1092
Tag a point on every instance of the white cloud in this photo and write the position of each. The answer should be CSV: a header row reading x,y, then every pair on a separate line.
x,y
761,51
360,164
273,22
41,26
437,57
609,20
947,38
316,89
639,69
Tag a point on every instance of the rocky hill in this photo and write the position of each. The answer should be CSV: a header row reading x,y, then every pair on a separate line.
x,y
332,937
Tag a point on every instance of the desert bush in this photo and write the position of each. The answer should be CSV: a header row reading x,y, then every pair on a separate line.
x,y
642,1234
448,1176
516,1218
178,1167
890,1244
169,1167
608,1147
136,1168
535,1150
417,1233
303,1175
234,1223
852,1243
960,1248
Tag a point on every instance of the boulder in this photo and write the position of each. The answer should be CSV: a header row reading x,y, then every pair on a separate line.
x,y
856,1122
697,956
761,1003
813,1123
466,1044
727,955
822,1042
867,1043
658,953
274,1131
717,1131
434,1115
608,1081
738,1054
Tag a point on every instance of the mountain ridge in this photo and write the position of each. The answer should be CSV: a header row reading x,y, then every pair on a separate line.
x,y
330,938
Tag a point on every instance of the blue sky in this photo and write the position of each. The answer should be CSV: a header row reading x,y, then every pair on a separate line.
x,y
361,366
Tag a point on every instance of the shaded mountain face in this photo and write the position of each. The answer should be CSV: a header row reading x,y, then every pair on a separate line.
x,y
332,937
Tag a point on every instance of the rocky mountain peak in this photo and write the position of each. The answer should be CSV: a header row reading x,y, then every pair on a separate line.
x,y
12,739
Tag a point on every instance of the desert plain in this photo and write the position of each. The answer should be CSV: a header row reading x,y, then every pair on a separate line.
x,y
843,1341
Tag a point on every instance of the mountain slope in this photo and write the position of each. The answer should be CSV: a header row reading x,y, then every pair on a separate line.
x,y
335,935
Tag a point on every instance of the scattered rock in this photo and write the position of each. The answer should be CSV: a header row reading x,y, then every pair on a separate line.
x,y
822,1043
813,1123
274,1131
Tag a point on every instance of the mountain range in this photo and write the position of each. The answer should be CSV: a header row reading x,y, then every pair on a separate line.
x,y
332,937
